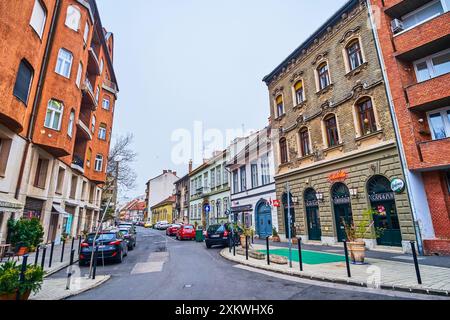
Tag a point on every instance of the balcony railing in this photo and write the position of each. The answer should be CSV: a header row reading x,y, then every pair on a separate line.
x,y
110,86
78,163
89,90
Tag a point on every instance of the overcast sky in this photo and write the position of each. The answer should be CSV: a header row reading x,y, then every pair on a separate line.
x,y
181,61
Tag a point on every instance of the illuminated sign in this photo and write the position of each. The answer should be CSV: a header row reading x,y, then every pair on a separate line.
x,y
339,176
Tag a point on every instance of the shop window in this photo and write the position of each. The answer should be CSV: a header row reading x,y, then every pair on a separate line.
x,y
324,76
38,17
73,18
5,148
40,177
366,116
304,142
23,81
354,54
332,132
283,151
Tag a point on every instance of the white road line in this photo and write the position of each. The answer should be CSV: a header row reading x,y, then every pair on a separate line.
x,y
389,293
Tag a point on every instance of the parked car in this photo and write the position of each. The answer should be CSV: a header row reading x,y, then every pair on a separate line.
x,y
220,235
111,246
130,237
173,229
127,226
186,232
148,225
162,225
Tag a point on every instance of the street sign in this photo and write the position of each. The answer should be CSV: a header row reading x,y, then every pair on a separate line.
x,y
398,185
207,208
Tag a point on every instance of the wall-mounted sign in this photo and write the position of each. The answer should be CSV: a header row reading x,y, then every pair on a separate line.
x,y
207,208
339,176
398,185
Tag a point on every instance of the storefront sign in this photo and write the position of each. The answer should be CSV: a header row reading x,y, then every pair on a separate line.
x,y
339,176
398,185
382,197
343,200
246,208
312,203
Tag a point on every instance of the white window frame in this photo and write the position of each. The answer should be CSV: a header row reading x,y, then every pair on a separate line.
x,y
61,62
429,61
93,123
102,132
443,112
53,110
86,33
71,124
38,28
76,9
79,74
108,104
98,165
102,64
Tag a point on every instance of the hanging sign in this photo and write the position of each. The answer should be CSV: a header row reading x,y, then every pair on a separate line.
x,y
398,185
339,176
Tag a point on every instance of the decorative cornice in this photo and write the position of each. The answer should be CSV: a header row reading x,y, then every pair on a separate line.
x,y
350,33
319,57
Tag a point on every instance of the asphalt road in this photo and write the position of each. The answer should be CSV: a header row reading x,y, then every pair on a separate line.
x,y
161,268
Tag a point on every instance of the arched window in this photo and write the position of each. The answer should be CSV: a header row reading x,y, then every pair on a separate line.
x,y
304,142
54,115
93,124
98,163
88,158
299,92
38,17
283,151
366,116
73,18
331,130
354,54
324,76
71,124
102,131
23,81
280,106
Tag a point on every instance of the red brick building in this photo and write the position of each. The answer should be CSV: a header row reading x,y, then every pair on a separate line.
x,y
57,95
414,40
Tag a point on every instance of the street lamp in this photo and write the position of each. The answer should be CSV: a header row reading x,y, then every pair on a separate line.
x,y
319,196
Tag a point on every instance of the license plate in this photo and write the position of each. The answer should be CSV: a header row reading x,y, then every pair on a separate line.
x,y
101,247
215,236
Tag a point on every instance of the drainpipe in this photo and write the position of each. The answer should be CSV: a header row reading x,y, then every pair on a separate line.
x,y
38,96
396,129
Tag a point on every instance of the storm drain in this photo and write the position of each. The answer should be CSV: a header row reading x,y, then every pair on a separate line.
x,y
187,286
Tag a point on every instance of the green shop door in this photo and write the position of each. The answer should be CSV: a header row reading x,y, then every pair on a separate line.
x,y
342,209
312,215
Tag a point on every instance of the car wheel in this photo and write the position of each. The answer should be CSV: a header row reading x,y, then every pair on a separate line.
x,y
208,246
120,259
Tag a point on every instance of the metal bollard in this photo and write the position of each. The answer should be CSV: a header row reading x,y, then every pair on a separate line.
x,y
300,255
73,243
416,262
51,254
268,251
230,243
36,256
246,247
79,244
22,273
234,247
346,259
94,271
62,251
72,255
44,251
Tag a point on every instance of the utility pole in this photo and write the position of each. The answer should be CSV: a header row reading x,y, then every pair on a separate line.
x,y
116,191
289,227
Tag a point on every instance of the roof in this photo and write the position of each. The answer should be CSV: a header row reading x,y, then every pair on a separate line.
x,y
169,200
331,21
164,172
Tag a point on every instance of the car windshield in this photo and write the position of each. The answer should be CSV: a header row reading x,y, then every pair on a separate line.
x,y
188,227
102,237
216,228
124,231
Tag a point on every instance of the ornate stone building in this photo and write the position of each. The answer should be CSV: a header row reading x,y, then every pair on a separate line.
x,y
336,147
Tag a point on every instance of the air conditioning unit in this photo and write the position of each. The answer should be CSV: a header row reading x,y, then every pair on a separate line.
x,y
397,25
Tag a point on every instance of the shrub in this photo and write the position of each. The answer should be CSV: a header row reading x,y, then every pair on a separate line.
x,y
26,233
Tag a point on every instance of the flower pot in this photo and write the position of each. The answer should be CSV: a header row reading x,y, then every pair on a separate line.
x,y
22,251
294,240
8,296
357,251
243,241
25,295
275,239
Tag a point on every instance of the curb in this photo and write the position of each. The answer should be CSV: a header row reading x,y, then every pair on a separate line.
x,y
338,281
61,267
72,294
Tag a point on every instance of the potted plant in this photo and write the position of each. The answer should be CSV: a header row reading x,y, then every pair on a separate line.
x,y
275,237
34,276
357,232
9,281
25,234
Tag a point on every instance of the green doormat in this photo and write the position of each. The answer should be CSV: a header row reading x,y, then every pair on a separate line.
x,y
309,257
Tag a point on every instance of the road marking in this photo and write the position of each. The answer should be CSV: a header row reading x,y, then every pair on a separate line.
x,y
158,257
389,293
147,267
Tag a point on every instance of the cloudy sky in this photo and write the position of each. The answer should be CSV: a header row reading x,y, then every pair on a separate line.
x,y
181,63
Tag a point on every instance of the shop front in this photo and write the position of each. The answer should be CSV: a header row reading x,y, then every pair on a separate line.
x,y
9,208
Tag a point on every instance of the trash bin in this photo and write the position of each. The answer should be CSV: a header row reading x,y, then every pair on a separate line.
x,y
199,235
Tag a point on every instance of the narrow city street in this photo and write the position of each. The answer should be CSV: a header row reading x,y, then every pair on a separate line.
x,y
163,268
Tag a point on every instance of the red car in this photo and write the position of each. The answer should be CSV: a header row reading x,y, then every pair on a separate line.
x,y
173,229
186,232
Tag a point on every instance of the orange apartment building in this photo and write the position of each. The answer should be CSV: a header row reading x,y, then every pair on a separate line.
x,y
414,42
57,95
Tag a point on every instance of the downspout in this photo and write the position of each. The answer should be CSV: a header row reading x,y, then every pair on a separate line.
x,y
396,128
38,96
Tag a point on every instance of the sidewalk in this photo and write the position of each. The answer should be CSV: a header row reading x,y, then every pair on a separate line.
x,y
385,274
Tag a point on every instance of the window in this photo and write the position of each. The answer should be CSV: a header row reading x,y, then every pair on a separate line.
x,y
102,64
324,76
97,94
105,104
71,123
299,93
235,182
354,54
99,163
331,131
38,18
41,173
5,149
283,151
366,116
89,157
280,106
86,33
54,115
64,63
225,175
254,172
102,132
205,180
23,81
447,178
424,13
225,205
93,124
243,179
60,181
304,142
439,122
73,18
73,186
79,74
433,66
265,170
219,175
213,178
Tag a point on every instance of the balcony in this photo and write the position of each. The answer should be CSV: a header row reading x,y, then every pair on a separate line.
x,y
430,94
93,66
77,164
83,131
432,154
399,8
89,95
110,86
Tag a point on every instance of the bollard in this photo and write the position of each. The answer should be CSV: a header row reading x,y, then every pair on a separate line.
x,y
234,247
346,259
72,255
79,244
95,263
22,273
36,257
268,251
300,256
69,273
230,243
51,254
416,262
62,251
73,242
44,251
246,247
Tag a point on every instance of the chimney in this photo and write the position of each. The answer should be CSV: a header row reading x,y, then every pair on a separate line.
x,y
164,171
190,166
174,173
